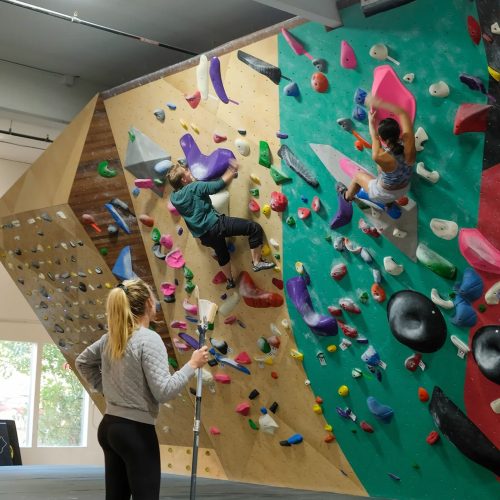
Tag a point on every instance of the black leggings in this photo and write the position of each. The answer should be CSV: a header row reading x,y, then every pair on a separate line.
x,y
131,459
225,227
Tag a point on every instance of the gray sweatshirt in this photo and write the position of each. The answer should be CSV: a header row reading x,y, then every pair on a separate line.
x,y
135,385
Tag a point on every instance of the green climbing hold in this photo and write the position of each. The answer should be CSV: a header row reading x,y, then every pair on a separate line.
x,y
263,345
131,136
173,363
416,466
264,154
253,425
254,192
155,235
104,171
290,221
481,308
435,262
188,274
363,297
159,182
103,251
278,176
328,238
277,256
189,286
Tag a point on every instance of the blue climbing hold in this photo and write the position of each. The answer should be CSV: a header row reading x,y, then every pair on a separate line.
x,y
123,265
382,412
471,287
136,192
360,96
171,106
464,313
295,439
359,114
291,89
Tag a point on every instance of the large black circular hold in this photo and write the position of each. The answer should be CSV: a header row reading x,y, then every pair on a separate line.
x,y
416,321
486,351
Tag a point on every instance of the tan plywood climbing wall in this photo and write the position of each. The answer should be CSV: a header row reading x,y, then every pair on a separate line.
x,y
244,454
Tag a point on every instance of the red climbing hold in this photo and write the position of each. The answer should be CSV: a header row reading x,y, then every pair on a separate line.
x,y
223,378
348,331
194,99
278,283
253,206
474,29
274,375
471,118
230,320
243,358
219,278
303,213
335,311
366,426
432,438
254,296
319,82
219,138
243,409
423,395
316,204
214,431
279,201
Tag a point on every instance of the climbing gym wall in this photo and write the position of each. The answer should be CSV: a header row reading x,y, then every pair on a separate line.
x,y
372,348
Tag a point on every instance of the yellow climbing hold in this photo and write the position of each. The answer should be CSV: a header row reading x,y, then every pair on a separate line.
x,y
331,348
265,250
255,178
494,73
195,128
108,285
317,409
299,267
184,124
343,391
277,269
266,210
328,428
296,354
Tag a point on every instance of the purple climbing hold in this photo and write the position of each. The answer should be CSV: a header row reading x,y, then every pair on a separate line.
x,y
320,324
344,212
190,341
205,168
215,76
281,135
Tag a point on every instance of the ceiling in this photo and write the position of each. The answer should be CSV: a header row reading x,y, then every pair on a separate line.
x,y
52,44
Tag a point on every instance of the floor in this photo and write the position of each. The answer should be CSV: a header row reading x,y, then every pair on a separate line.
x,y
34,482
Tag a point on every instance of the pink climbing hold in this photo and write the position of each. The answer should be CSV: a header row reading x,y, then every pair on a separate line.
x,y
166,241
347,56
144,183
478,251
253,206
215,431
194,99
181,345
219,278
367,229
338,271
243,409
303,213
222,378
147,220
243,358
219,138
190,308
230,320
471,117
279,201
175,259
178,324
167,289
316,204
171,208
319,82
254,296
366,427
277,283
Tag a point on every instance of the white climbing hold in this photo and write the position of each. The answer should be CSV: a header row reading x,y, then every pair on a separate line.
x,y
391,267
461,346
242,146
409,77
436,298
495,405
365,255
420,137
274,243
495,28
399,233
352,246
439,89
446,229
492,296
229,304
377,276
427,174
202,76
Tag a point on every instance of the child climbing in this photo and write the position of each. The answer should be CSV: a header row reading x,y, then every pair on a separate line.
x,y
393,150
192,201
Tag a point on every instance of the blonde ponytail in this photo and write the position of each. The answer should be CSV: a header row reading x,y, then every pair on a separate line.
x,y
125,306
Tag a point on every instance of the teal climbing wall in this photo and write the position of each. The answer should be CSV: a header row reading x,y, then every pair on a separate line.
x,y
430,39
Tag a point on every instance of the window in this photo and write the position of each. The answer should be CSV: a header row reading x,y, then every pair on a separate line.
x,y
17,373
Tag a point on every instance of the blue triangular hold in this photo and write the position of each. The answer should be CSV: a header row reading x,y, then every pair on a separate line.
x,y
123,265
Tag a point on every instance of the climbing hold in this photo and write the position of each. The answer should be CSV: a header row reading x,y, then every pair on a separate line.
x,y
290,221
423,395
393,476
242,146
495,74
344,211
89,220
378,293
190,308
359,113
274,375
381,411
365,255
399,233
167,289
266,210
277,283
486,351
253,206
217,138
263,345
254,192
215,431
219,278
222,378
295,439
338,271
352,246
144,183
262,67
439,89
175,259
366,427
278,176
478,251
155,235
279,201
159,114
184,124
445,229
281,135
166,241
377,275
348,305
243,358
367,229
255,178
495,405
189,286
319,82
471,117
180,345
343,391
291,89
471,287
289,157
380,52
420,137
195,128
432,438
267,423
256,297
300,269
356,373
431,176
436,298
416,322
474,29
348,331
317,409
104,171
243,408
194,99
492,296
303,213
435,262
265,158
347,56
391,267
216,78
117,217
409,77
316,204
495,28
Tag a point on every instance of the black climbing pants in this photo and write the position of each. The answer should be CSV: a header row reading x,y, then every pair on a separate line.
x,y
225,227
131,459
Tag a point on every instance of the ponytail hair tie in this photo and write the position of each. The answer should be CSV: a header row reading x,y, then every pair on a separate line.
x,y
122,286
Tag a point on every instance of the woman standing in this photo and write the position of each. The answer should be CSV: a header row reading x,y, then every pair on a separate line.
x,y
129,366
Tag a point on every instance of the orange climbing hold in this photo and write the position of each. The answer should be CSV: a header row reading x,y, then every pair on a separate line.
x,y
329,438
378,293
254,296
146,220
423,395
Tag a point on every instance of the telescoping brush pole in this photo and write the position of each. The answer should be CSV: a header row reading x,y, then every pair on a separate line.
x,y
206,313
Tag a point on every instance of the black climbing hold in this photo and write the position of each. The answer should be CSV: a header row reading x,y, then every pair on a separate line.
x,y
220,345
273,407
82,286
35,264
253,394
212,362
18,251
169,298
285,443
262,67
192,390
44,305
72,243
416,321
73,258
486,351
157,250
44,292
20,280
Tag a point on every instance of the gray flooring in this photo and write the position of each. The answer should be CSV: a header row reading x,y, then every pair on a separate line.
x,y
87,483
